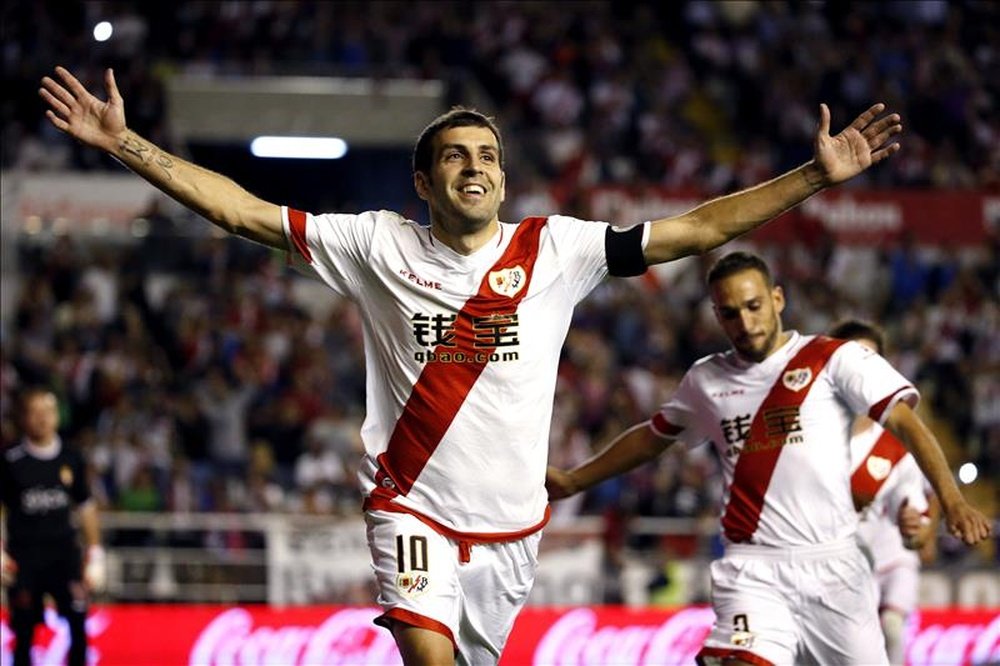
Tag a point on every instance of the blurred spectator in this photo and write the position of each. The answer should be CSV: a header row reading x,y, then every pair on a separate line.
x,y
321,479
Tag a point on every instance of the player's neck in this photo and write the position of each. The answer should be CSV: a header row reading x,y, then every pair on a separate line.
x,y
465,242
780,340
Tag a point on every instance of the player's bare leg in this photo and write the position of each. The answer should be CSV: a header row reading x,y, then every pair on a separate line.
x,y
423,647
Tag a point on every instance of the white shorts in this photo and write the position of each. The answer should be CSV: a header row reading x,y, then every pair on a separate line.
x,y
422,582
813,605
898,587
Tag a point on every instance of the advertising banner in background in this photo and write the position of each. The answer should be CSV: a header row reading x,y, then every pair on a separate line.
x,y
108,202
871,217
160,635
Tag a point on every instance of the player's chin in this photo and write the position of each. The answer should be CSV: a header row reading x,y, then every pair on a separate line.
x,y
752,352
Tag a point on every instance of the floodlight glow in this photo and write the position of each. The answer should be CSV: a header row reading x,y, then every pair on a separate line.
x,y
968,473
299,147
102,31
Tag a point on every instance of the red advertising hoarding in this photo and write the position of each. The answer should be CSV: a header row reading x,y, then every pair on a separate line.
x,y
870,217
257,635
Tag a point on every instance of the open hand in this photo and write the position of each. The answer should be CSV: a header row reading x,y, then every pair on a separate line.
x,y
73,110
860,145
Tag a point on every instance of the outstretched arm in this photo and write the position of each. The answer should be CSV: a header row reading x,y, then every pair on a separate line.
x,y
836,159
101,125
963,520
630,449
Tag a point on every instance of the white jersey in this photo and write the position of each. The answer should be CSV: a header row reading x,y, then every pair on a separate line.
x,y
461,358
885,475
781,428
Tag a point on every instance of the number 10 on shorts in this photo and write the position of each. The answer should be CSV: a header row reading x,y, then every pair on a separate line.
x,y
411,557
417,547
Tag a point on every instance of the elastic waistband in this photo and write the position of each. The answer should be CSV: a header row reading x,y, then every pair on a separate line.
x,y
793,553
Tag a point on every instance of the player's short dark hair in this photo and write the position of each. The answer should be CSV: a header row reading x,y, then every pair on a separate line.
x,y
855,329
458,116
737,262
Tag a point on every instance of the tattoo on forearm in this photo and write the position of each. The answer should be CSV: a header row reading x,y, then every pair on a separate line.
x,y
146,154
813,177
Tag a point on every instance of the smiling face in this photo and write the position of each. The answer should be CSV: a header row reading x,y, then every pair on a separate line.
x,y
465,185
749,311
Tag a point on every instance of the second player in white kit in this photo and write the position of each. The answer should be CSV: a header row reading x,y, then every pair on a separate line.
x,y
793,586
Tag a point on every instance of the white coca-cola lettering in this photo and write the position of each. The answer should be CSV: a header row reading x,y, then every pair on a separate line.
x,y
955,644
987,647
346,637
574,640
679,638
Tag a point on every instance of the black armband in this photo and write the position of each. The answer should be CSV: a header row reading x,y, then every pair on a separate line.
x,y
623,250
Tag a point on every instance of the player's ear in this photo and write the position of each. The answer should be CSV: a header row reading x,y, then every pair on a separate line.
x,y
422,184
778,296
503,186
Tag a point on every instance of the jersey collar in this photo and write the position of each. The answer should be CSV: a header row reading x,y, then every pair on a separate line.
x,y
47,452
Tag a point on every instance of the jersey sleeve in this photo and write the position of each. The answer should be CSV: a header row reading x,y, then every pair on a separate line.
x,y
868,383
335,247
580,249
678,418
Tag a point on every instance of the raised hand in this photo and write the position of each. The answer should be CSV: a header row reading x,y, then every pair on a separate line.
x,y
73,110
860,145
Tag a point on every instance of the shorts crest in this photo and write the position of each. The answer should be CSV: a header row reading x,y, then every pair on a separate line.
x,y
412,584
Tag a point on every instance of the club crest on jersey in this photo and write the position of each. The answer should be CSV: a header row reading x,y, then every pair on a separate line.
x,y
797,379
878,467
412,584
66,475
508,281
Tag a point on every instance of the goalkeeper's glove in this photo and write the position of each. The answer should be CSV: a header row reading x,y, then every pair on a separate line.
x,y
95,569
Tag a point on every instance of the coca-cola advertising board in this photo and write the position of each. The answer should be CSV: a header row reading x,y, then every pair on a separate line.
x,y
258,635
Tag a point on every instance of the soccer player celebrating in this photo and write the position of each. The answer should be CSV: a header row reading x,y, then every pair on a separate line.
x,y
463,324
778,407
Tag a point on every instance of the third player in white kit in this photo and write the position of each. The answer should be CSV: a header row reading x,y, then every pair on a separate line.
x,y
892,497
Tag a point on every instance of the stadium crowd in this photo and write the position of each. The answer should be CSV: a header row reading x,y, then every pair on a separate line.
x,y
197,377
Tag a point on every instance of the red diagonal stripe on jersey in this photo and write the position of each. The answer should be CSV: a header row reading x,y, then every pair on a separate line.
x,y
442,388
754,468
864,486
297,229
